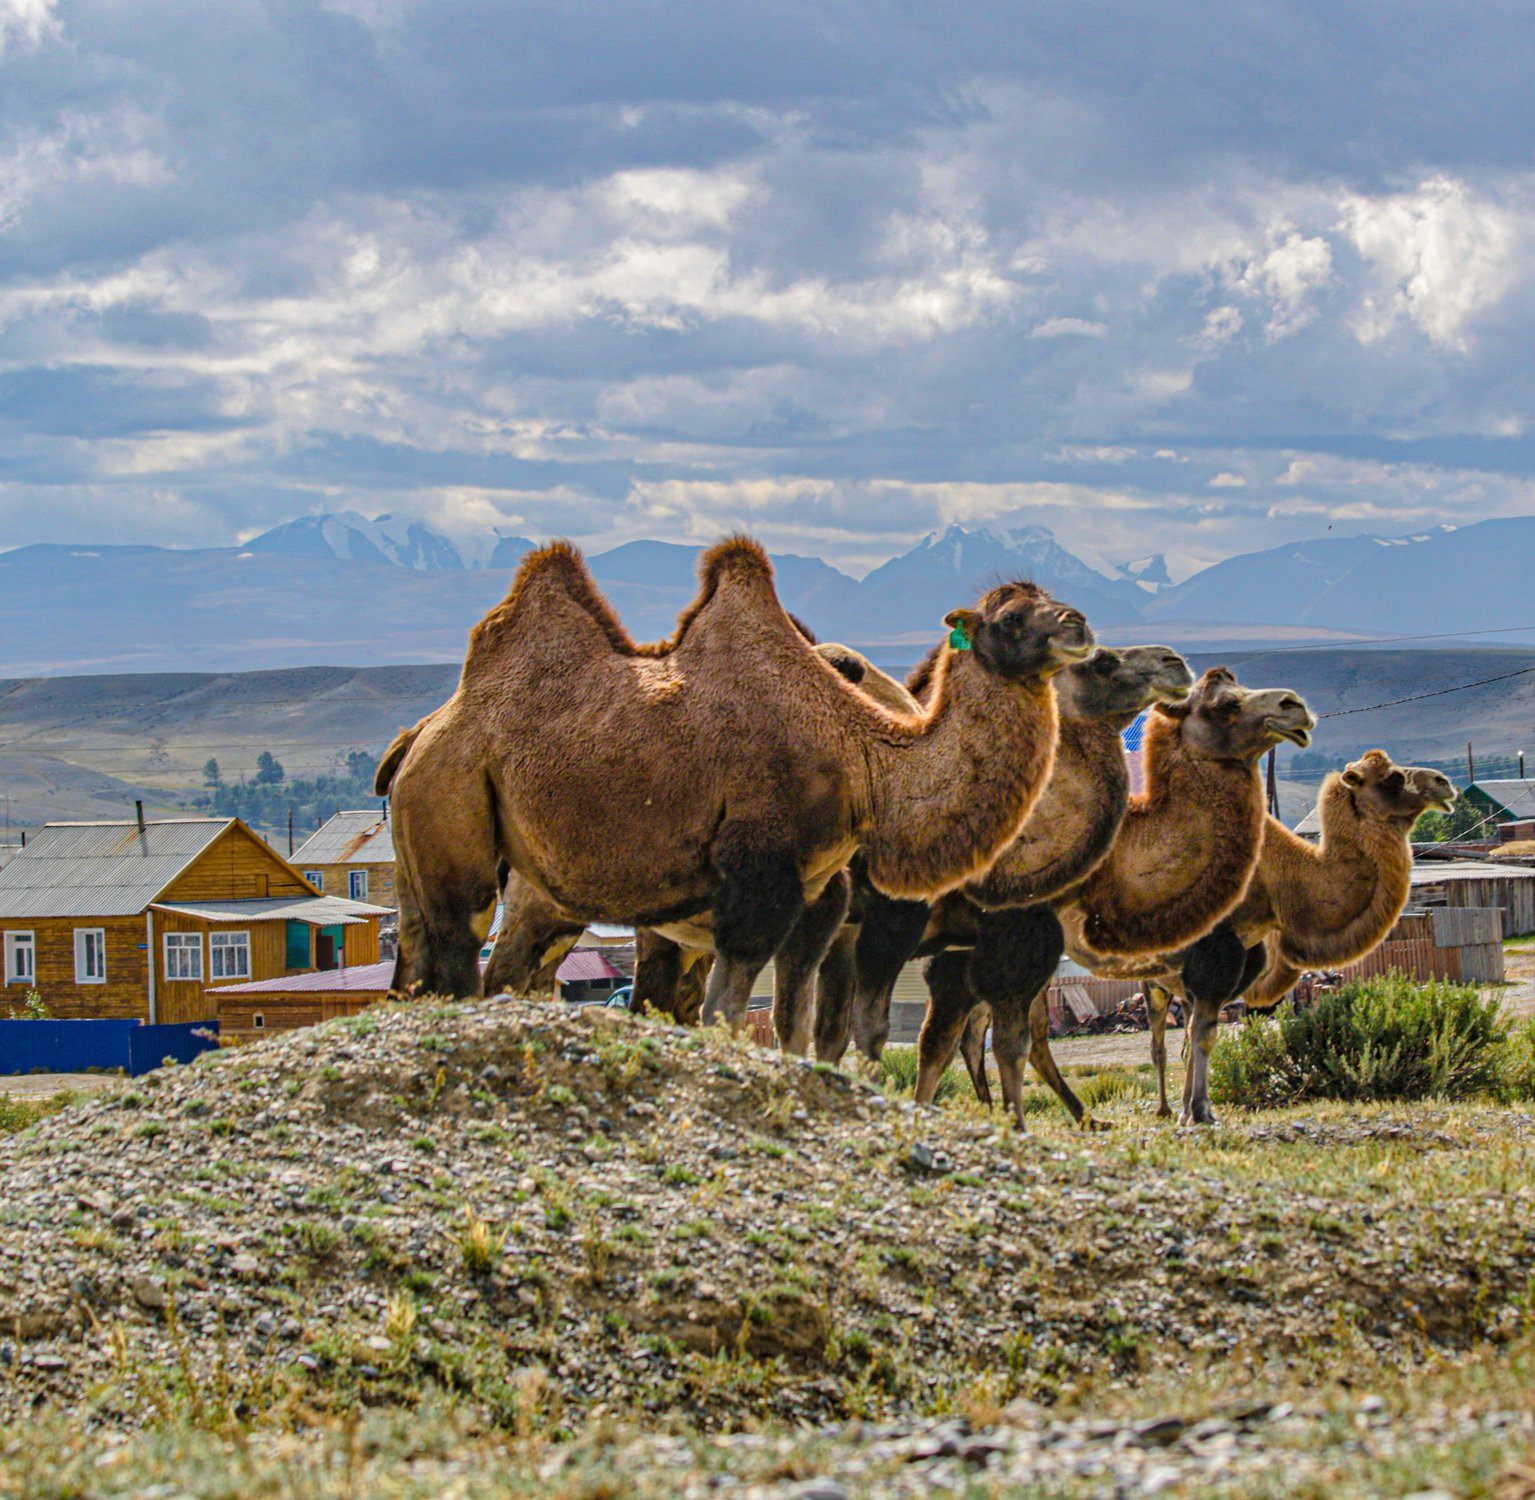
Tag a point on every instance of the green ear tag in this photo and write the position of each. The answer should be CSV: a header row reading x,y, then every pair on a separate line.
x,y
959,638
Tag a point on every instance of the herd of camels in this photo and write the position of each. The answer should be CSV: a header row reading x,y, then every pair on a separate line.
x,y
739,794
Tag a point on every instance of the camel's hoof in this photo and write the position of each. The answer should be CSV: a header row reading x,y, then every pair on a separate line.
x,y
1089,1123
1163,1112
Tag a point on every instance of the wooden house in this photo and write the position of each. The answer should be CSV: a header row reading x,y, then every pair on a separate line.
x,y
351,855
140,919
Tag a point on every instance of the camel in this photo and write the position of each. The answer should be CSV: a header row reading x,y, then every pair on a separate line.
x,y
738,770
670,978
1071,829
1308,906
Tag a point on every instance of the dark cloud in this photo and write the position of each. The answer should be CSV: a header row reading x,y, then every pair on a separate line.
x,y
1197,278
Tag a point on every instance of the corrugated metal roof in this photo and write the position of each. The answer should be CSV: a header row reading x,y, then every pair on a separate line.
x,y
1517,796
361,978
586,963
1311,823
102,869
1433,871
317,911
359,837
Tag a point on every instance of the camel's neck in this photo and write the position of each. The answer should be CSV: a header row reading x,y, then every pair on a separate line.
x,y
1073,824
1184,856
946,798
1333,902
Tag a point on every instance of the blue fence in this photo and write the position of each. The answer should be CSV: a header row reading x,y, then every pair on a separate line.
x,y
75,1046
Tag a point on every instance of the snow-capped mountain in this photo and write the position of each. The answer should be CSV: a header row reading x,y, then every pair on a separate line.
x,y
354,538
954,565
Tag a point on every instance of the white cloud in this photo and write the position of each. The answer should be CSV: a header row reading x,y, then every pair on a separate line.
x,y
1226,480
1055,328
1439,256
26,22
1290,270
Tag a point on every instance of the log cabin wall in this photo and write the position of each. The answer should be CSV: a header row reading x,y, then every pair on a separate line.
x,y
125,993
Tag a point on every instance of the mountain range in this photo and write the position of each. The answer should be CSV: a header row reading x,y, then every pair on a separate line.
x,y
344,588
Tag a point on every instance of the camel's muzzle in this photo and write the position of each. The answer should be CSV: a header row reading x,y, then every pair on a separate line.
x,y
1296,733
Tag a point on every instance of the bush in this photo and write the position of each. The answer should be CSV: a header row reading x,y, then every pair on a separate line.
x,y
1374,1039
898,1073
1519,1064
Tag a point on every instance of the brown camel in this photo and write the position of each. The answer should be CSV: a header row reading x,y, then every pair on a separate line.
x,y
536,933
1309,906
1189,843
1070,829
997,943
737,768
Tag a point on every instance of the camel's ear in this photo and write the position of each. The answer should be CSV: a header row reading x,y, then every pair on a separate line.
x,y
1179,710
963,625
1351,777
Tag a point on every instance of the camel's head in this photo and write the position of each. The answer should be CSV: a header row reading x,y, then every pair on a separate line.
x,y
1018,630
1226,721
1117,684
1381,789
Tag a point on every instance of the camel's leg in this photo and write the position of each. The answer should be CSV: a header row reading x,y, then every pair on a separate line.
x,y
658,968
1045,1065
1158,998
528,953
797,960
689,1006
887,940
972,1047
1014,958
1212,973
757,902
1252,968
834,997
949,1003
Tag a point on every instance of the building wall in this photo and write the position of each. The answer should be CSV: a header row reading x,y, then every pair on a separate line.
x,y
125,993
380,880
286,1012
237,867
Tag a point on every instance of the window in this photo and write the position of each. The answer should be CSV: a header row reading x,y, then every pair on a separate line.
x,y
316,878
297,945
229,955
357,881
90,955
183,955
20,958
258,1021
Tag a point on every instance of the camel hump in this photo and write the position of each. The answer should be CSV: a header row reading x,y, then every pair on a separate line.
x,y
556,570
735,557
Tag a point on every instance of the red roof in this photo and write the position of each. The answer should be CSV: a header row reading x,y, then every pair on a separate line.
x,y
587,963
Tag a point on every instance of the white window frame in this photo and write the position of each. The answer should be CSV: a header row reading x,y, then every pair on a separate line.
x,y
85,939
223,944
316,878
20,942
184,945
354,880
258,1021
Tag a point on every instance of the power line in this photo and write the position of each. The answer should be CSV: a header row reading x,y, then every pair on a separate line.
x,y
1339,713
1378,640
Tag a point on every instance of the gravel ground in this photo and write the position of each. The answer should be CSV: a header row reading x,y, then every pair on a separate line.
x,y
44,1085
555,1216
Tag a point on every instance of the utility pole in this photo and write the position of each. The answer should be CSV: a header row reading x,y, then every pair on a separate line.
x,y
1470,764
1273,784
290,830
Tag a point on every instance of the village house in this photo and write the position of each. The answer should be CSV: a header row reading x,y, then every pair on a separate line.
x,y
351,855
140,919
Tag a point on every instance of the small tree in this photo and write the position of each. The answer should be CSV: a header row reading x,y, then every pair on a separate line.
x,y
360,766
211,773
269,769
1468,819
35,1008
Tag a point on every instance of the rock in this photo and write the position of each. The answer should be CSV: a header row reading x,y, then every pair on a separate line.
x,y
922,1158
1161,1431
149,1294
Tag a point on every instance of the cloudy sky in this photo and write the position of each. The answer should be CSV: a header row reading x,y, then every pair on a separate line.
x,y
1193,278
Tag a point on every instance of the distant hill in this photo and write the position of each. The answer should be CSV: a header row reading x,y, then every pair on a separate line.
x,y
85,747
344,588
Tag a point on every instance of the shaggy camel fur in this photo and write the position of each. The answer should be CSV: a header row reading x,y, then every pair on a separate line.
x,y
1070,829
536,932
739,769
1309,906
1189,843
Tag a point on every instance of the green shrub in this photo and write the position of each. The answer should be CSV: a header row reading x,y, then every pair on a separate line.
x,y
1519,1063
1374,1039
1115,1086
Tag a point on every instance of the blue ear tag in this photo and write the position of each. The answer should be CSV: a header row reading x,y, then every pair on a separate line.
x,y
959,638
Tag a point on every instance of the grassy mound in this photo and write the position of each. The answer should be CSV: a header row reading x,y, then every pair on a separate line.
x,y
544,1217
